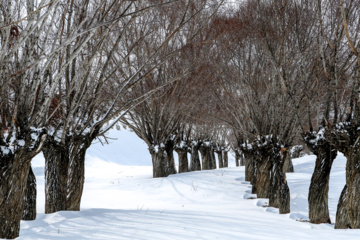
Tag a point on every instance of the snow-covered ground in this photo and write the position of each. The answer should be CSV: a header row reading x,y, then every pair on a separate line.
x,y
122,201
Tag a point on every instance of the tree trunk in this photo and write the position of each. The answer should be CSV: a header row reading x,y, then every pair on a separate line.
x,y
30,197
56,176
205,151
159,161
195,158
65,173
290,168
342,216
237,158
263,170
249,166
76,173
183,160
213,158
319,185
279,194
226,159
220,159
14,170
169,148
242,159
349,200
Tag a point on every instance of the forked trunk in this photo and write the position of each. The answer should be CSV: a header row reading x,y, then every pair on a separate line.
x,y
56,176
220,159
195,158
30,197
226,158
183,160
14,170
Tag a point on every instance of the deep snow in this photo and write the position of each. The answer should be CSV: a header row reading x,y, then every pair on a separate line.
x,y
121,200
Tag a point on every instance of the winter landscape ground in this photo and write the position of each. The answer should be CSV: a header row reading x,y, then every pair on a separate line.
x,y
122,201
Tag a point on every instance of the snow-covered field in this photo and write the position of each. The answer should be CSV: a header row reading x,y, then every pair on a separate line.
x,y
122,201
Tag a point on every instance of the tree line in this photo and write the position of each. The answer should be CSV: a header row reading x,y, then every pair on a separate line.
x,y
191,77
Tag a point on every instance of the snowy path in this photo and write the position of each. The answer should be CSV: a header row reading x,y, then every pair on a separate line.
x,y
124,202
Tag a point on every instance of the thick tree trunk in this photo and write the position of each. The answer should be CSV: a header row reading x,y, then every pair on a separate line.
x,y
169,148
319,185
56,176
250,166
159,161
279,193
205,151
195,158
237,158
213,159
65,173
76,173
349,202
220,159
263,174
226,158
14,170
342,216
183,160
30,197
290,166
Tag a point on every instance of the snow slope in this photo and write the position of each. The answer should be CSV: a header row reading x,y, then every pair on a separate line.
x,y
122,201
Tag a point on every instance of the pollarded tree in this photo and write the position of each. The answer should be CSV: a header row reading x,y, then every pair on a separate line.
x,y
333,70
345,135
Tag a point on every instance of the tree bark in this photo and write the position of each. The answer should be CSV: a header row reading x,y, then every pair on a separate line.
x,y
169,148
237,158
56,176
65,173
183,160
220,159
342,216
195,158
348,212
226,158
30,197
205,151
76,173
319,185
159,161
14,171
279,194
213,158
263,176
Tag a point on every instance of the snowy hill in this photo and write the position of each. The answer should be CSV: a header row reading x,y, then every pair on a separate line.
x,y
121,200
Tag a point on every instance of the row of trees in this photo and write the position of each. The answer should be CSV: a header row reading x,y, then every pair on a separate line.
x,y
69,71
186,76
